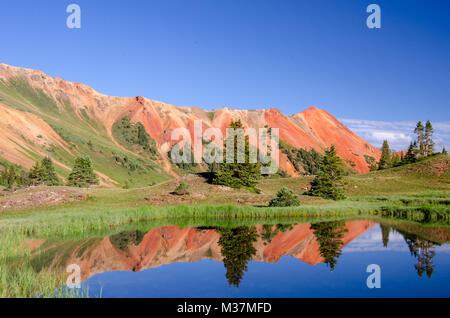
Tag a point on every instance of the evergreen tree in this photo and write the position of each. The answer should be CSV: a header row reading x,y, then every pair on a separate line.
x,y
419,131
135,136
444,151
13,178
214,166
310,160
329,236
50,176
36,174
43,172
385,160
422,147
423,250
143,139
4,176
326,183
237,250
371,162
269,231
82,174
428,142
385,230
302,159
395,160
235,174
411,154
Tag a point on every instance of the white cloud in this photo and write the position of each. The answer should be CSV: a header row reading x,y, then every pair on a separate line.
x,y
372,241
399,134
391,135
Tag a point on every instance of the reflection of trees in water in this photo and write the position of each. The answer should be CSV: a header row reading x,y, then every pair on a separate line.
x,y
269,232
423,250
237,250
385,230
329,237
123,239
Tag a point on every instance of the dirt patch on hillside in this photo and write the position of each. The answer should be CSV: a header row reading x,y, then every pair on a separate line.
x,y
39,196
162,199
439,167
202,192
430,167
169,199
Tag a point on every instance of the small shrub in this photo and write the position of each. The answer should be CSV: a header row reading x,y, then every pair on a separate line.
x,y
282,174
285,197
181,189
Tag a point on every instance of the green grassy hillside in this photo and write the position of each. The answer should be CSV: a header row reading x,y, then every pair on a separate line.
x,y
84,135
430,176
426,182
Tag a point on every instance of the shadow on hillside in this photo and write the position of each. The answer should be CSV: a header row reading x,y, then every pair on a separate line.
x,y
208,176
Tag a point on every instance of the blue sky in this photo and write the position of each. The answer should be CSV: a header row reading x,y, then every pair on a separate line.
x,y
251,54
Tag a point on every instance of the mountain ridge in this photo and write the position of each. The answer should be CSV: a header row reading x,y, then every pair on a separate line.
x,y
82,114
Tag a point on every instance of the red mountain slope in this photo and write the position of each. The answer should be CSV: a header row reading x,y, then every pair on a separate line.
x,y
311,128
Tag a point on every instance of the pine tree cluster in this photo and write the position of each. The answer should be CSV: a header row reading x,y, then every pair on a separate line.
x,y
421,148
44,173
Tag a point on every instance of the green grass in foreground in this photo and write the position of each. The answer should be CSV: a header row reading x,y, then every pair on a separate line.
x,y
81,223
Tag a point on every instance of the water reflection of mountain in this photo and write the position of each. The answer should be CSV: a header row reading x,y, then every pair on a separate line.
x,y
311,243
135,251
